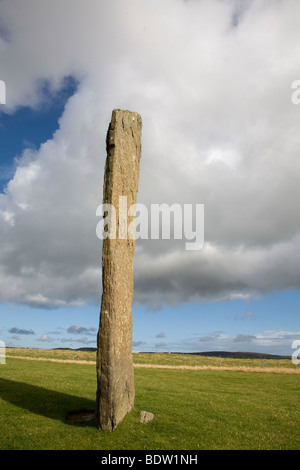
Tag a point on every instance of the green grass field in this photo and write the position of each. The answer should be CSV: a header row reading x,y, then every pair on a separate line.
x,y
194,409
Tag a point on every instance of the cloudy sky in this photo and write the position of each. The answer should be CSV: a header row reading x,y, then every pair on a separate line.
x,y
213,82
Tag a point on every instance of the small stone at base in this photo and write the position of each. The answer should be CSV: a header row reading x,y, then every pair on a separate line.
x,y
146,417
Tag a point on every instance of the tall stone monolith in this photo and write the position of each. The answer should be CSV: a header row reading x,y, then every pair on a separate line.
x,y
115,376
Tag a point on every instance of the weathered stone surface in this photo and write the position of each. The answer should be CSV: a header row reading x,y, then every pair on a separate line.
x,y
115,391
146,417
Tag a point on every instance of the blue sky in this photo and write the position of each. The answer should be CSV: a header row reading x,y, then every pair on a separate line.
x,y
213,133
264,325
29,128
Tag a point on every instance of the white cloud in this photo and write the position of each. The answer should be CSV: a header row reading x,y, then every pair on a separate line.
x,y
269,341
212,81
45,338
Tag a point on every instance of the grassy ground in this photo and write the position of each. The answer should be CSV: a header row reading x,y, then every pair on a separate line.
x,y
194,409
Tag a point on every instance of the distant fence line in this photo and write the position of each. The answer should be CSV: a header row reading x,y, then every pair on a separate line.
x,y
225,364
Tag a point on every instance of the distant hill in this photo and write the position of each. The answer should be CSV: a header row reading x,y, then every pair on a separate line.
x,y
78,349
240,355
226,354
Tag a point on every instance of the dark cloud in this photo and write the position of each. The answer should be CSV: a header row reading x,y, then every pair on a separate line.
x,y
160,335
137,343
21,331
80,329
243,338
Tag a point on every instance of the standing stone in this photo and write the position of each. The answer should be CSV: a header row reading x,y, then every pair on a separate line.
x,y
115,375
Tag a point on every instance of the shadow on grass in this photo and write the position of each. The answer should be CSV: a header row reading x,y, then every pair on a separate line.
x,y
44,402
